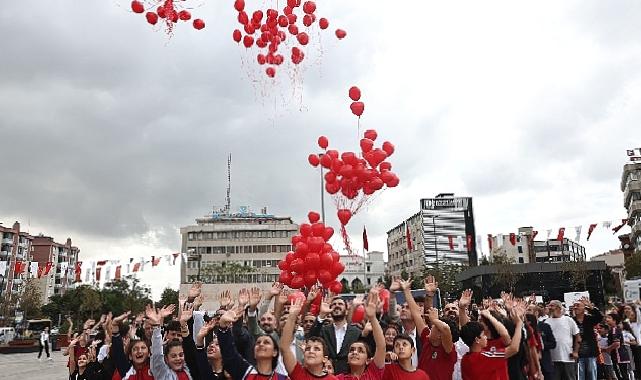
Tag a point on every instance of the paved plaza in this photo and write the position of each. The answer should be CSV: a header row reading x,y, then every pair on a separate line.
x,y
27,367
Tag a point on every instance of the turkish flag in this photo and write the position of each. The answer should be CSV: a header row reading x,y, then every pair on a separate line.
x,y
410,246
450,240
175,255
98,274
117,275
155,261
469,243
365,242
513,238
489,241
78,270
48,267
40,270
17,268
591,229
136,267
534,233
617,228
559,237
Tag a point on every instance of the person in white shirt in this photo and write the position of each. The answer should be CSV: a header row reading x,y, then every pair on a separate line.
x,y
566,333
43,342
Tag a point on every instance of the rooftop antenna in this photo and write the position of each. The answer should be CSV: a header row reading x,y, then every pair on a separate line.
x,y
228,198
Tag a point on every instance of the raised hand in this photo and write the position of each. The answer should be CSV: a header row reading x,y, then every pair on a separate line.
x,y
296,307
275,290
186,313
205,329
227,319
313,293
195,290
324,306
466,299
166,311
198,301
406,284
358,300
243,297
152,315
395,286
255,296
431,286
118,320
224,299
432,313
372,304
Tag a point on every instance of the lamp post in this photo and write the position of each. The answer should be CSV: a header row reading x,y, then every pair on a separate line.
x,y
435,240
322,190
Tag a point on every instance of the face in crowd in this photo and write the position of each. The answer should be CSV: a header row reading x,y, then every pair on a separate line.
x,y
450,311
339,309
390,334
358,354
308,322
139,353
174,356
268,323
403,348
265,348
314,353
213,350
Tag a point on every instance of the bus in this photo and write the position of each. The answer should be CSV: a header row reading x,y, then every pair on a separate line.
x,y
34,327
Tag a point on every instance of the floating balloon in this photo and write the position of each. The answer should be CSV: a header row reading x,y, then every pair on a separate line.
x,y
355,93
137,6
323,142
344,216
340,33
199,24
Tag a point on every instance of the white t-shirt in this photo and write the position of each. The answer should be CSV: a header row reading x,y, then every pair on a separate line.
x,y
603,343
461,350
564,330
44,337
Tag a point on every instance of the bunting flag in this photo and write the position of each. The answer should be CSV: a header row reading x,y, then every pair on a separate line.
x,y
63,268
607,224
48,266
155,261
98,269
499,240
3,268
17,268
489,241
365,242
78,271
549,232
459,243
561,234
410,246
184,257
513,238
590,230
88,272
117,274
469,243
175,255
617,228
534,233
33,268
108,276
450,240
577,229
40,270
136,267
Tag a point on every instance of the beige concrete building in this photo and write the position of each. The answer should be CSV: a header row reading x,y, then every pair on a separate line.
x,y
526,250
363,272
15,245
400,258
631,188
235,251
63,257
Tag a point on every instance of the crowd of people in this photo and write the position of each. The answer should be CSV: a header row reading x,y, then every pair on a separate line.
x,y
279,334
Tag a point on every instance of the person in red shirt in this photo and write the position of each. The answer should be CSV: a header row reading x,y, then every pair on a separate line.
x,y
314,353
403,369
481,363
359,351
438,356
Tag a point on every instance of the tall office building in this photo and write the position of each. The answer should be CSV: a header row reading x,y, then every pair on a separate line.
x,y
441,231
232,251
631,188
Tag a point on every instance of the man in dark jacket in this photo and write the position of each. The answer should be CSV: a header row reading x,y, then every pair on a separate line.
x,y
549,343
587,317
338,336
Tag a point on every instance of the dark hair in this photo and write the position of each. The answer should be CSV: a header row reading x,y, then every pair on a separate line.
x,y
171,344
453,328
531,320
470,332
338,298
173,326
275,343
615,316
364,342
493,332
320,340
404,337
132,343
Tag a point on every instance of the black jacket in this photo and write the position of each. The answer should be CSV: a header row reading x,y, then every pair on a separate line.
x,y
338,355
549,343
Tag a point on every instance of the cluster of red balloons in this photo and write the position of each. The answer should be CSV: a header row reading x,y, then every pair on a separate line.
x,y
314,260
357,106
268,30
166,9
351,175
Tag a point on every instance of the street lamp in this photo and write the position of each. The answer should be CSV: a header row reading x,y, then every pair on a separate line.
x,y
322,189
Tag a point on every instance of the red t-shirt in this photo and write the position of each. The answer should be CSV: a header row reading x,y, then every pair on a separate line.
x,y
372,372
394,371
497,347
301,373
486,365
434,360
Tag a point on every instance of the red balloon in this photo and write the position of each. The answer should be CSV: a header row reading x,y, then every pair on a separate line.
x,y
295,296
330,177
298,266
310,278
335,256
323,23
336,287
283,265
328,233
161,12
301,249
337,165
248,41
305,229
326,161
137,6
289,257
385,166
388,147
312,260
285,277
371,134
243,18
249,29
239,5
318,229
340,33
307,20
297,282
257,15
261,59
315,243
344,215
198,24
313,217
349,158
309,7
152,18
337,268
366,145
359,314
394,182
332,188
303,38
387,176
184,15
287,10
355,93
346,170
292,19
324,276
293,3
271,72
323,142
313,159
293,29
357,108
327,248
326,262
283,21
384,295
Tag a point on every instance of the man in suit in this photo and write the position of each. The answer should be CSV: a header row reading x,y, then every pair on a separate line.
x,y
339,335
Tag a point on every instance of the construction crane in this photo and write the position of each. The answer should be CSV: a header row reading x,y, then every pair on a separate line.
x,y
228,198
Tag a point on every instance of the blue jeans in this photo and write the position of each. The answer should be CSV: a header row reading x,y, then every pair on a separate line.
x,y
587,369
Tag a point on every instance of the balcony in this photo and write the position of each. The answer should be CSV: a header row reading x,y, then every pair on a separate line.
x,y
635,208
4,254
632,187
7,241
636,230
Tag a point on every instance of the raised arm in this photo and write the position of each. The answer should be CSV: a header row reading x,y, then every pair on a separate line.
x,y
500,328
233,363
463,306
377,330
158,366
517,318
417,314
394,287
72,355
443,328
287,337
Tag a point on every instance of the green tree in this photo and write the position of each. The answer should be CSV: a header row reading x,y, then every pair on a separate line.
x,y
31,299
506,274
445,275
578,273
169,296
346,288
226,272
633,266
91,301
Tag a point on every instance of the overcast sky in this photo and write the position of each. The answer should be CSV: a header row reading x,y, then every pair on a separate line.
x,y
116,136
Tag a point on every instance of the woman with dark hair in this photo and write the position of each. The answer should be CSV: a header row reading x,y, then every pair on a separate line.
x,y
391,331
131,359
208,357
535,347
632,314
168,362
265,353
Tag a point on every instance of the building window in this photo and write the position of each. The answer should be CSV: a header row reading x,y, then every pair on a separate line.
x,y
369,268
521,261
520,249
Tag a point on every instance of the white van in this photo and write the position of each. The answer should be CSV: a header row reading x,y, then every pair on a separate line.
x,y
7,334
